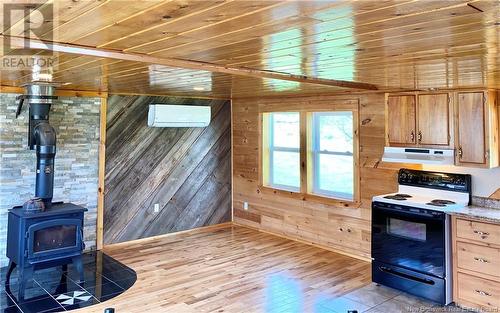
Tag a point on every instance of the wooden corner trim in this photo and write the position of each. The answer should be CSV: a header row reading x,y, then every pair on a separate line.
x,y
101,174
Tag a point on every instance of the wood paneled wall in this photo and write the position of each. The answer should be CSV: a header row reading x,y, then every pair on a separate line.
x,y
340,227
187,171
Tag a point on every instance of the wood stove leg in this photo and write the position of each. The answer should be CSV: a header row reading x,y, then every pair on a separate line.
x,y
12,266
79,267
25,275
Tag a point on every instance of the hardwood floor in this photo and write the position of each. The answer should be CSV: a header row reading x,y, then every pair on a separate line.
x,y
232,269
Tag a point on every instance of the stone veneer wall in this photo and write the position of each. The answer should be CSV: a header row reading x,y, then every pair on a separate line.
x,y
76,121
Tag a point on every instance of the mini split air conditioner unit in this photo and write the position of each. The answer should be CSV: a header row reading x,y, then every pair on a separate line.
x,y
162,115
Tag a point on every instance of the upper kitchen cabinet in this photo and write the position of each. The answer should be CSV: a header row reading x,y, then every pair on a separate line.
x,y
419,120
476,130
433,120
401,120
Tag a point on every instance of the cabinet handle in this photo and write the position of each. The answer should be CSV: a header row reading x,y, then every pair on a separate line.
x,y
481,233
482,293
481,260
419,136
412,136
460,152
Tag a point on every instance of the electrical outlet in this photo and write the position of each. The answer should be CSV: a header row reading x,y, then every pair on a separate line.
x,y
157,207
245,206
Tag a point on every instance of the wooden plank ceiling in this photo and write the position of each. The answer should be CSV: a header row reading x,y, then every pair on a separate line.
x,y
394,44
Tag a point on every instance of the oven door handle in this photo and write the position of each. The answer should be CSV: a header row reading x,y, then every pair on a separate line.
x,y
401,213
406,276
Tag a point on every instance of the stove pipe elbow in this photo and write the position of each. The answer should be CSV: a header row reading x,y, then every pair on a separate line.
x,y
45,141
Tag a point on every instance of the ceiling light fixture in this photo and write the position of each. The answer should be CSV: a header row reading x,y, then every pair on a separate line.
x,y
198,88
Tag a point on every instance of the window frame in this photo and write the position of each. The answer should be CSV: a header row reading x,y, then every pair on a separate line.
x,y
271,148
306,191
316,154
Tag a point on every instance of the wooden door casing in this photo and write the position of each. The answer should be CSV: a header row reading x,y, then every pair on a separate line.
x,y
401,120
471,136
433,120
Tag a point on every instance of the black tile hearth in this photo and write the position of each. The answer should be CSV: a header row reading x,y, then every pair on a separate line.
x,y
40,304
125,283
5,301
12,309
53,290
105,290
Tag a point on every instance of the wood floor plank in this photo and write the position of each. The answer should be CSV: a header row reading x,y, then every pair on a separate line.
x,y
231,269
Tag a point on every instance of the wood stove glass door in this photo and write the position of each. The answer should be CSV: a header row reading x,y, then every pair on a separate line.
x,y
53,238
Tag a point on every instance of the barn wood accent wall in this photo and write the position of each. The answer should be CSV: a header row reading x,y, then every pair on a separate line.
x,y
341,227
187,171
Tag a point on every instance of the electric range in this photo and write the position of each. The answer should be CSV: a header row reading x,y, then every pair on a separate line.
x,y
411,244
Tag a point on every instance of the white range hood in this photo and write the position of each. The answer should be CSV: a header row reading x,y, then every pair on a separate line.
x,y
419,156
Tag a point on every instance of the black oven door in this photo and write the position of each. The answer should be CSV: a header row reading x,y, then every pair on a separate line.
x,y
410,238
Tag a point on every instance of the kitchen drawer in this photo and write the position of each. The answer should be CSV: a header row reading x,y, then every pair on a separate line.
x,y
478,231
478,258
483,292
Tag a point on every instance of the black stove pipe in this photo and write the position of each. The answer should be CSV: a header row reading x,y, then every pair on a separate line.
x,y
41,136
45,141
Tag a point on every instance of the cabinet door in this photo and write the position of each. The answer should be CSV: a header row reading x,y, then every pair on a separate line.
x,y
433,120
471,124
401,120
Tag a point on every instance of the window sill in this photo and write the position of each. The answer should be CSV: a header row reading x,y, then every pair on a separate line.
x,y
310,197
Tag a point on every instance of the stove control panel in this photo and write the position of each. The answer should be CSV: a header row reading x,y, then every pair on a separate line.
x,y
436,180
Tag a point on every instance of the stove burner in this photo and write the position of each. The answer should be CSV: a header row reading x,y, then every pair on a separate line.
x,y
395,198
441,201
436,204
398,196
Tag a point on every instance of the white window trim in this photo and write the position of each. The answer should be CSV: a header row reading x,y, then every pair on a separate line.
x,y
316,152
272,149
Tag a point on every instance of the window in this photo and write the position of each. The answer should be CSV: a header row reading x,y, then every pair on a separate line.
x,y
332,154
282,150
313,153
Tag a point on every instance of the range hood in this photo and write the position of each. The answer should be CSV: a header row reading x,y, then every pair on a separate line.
x,y
419,156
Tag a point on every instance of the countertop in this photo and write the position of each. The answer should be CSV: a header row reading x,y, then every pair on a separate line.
x,y
477,212
482,209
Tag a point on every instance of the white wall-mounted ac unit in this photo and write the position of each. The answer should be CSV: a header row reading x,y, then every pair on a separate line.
x,y
165,115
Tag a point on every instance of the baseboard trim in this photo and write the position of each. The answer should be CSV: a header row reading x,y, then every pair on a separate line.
x,y
306,242
183,232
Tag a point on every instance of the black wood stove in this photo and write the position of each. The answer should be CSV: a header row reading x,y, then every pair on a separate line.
x,y
44,239
41,233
